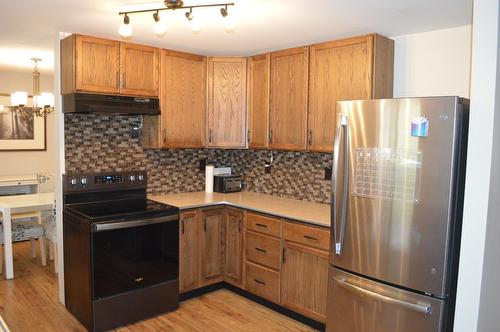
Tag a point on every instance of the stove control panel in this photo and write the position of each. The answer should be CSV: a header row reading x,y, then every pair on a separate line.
x,y
76,182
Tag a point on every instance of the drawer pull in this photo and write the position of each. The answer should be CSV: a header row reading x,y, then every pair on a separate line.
x,y
261,225
310,238
259,282
261,250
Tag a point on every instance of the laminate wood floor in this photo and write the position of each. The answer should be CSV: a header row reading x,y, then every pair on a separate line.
x,y
29,302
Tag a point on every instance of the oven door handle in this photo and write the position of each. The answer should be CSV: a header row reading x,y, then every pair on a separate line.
x,y
134,223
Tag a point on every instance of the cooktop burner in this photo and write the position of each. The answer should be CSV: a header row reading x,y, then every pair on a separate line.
x,y
121,209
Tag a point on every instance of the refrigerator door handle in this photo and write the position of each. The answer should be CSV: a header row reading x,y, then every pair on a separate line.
x,y
424,308
343,127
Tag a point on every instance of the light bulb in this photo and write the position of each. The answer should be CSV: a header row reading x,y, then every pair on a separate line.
x,y
158,27
230,24
125,29
46,99
19,98
2,109
195,26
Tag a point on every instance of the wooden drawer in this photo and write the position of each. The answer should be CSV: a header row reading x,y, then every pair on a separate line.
x,y
262,282
263,249
312,236
263,224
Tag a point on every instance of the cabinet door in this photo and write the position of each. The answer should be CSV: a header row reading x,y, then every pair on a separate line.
x,y
227,102
212,250
258,101
97,65
304,279
189,253
288,104
339,70
182,98
139,70
234,246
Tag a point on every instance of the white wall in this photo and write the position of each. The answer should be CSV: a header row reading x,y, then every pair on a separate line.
x,y
433,63
29,162
479,273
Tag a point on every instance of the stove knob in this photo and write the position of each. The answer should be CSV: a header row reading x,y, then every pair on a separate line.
x,y
73,182
132,178
141,177
83,181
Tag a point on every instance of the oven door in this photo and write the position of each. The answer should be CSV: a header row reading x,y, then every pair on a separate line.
x,y
129,255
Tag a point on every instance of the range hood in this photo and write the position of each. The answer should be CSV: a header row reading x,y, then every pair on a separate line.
x,y
87,103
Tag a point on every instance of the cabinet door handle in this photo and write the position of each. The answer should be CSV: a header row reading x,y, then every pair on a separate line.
x,y
210,136
310,137
259,282
240,225
205,225
182,226
261,225
248,136
310,238
118,83
124,83
271,136
284,255
261,250
164,136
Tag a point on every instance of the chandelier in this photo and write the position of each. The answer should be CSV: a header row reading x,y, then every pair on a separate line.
x,y
160,28
43,103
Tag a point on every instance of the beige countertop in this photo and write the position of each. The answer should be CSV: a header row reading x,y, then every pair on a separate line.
x,y
309,212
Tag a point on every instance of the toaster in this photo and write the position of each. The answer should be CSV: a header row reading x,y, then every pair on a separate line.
x,y
225,183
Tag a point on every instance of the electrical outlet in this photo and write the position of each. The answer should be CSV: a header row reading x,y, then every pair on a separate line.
x,y
203,164
328,173
267,168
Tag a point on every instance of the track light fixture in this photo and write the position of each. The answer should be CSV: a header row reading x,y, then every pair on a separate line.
x,y
159,28
125,29
189,14
223,11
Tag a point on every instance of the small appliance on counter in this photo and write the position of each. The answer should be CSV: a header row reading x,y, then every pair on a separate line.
x,y
121,250
227,183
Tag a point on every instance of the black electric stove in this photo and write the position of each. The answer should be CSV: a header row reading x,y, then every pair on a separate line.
x,y
121,209
121,250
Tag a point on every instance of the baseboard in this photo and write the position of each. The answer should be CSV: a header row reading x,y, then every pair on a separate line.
x,y
273,306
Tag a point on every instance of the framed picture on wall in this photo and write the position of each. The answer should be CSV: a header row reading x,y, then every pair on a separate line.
x,y
20,132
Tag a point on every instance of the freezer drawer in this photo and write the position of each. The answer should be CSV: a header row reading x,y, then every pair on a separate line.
x,y
360,305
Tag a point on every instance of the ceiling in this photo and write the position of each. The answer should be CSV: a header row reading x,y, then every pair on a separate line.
x,y
30,27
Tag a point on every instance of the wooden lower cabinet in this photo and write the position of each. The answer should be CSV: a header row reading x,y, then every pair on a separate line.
x,y
212,246
304,280
189,253
262,281
289,268
234,247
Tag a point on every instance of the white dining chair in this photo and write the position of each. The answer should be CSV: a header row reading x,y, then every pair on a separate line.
x,y
22,231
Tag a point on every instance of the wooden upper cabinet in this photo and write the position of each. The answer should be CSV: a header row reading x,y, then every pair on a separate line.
x,y
354,68
258,101
182,99
139,70
288,99
97,64
227,102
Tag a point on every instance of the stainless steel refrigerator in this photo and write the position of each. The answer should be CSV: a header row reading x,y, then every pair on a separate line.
x,y
397,196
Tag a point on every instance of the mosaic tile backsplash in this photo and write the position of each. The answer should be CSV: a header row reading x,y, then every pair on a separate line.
x,y
102,143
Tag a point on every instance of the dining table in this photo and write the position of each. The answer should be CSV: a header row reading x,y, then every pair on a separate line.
x,y
14,204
